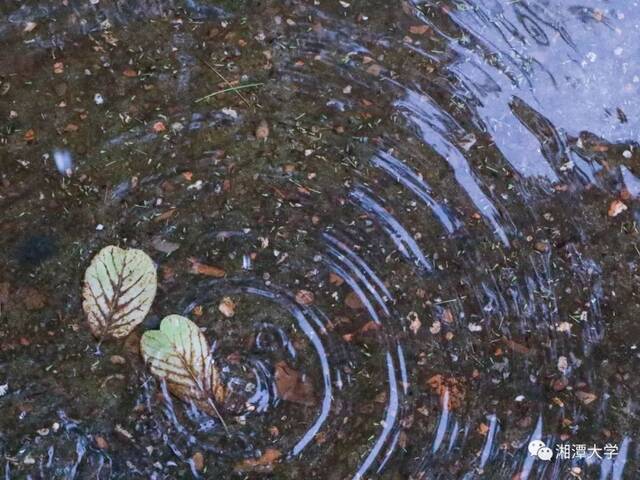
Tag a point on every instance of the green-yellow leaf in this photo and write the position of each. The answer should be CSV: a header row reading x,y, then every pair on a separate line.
x,y
119,288
179,354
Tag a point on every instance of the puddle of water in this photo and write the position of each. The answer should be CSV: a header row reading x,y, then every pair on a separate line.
x,y
455,182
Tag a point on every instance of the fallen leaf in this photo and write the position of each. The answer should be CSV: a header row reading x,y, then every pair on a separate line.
x,y
30,135
179,354
374,69
353,301
203,269
455,389
516,347
616,208
227,307
166,215
600,147
264,463
292,385
418,29
101,443
586,397
335,279
119,287
560,384
198,461
159,127
129,72
29,26
447,316
370,326
262,131
414,322
305,297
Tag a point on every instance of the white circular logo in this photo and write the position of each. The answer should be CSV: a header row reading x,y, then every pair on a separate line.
x,y
535,446
545,453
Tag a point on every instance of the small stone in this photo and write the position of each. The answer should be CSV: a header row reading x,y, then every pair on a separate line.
x,y
563,364
227,307
262,131
164,246
616,208
435,327
117,360
230,112
474,327
564,327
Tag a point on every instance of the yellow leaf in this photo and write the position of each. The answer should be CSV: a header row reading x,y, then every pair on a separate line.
x,y
179,354
119,288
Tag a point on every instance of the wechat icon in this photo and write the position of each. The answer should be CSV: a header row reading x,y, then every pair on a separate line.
x,y
537,448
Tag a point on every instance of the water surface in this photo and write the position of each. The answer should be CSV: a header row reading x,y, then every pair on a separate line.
x,y
442,176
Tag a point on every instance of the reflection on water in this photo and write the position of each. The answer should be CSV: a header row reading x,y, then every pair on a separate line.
x,y
440,177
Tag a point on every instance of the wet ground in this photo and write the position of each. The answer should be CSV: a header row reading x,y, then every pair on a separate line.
x,y
427,210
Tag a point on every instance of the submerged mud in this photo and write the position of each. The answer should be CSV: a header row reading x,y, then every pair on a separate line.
x,y
451,184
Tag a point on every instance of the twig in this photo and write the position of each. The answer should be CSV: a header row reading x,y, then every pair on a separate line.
x,y
226,81
217,412
230,89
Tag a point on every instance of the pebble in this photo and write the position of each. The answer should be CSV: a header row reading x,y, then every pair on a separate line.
x,y
117,360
